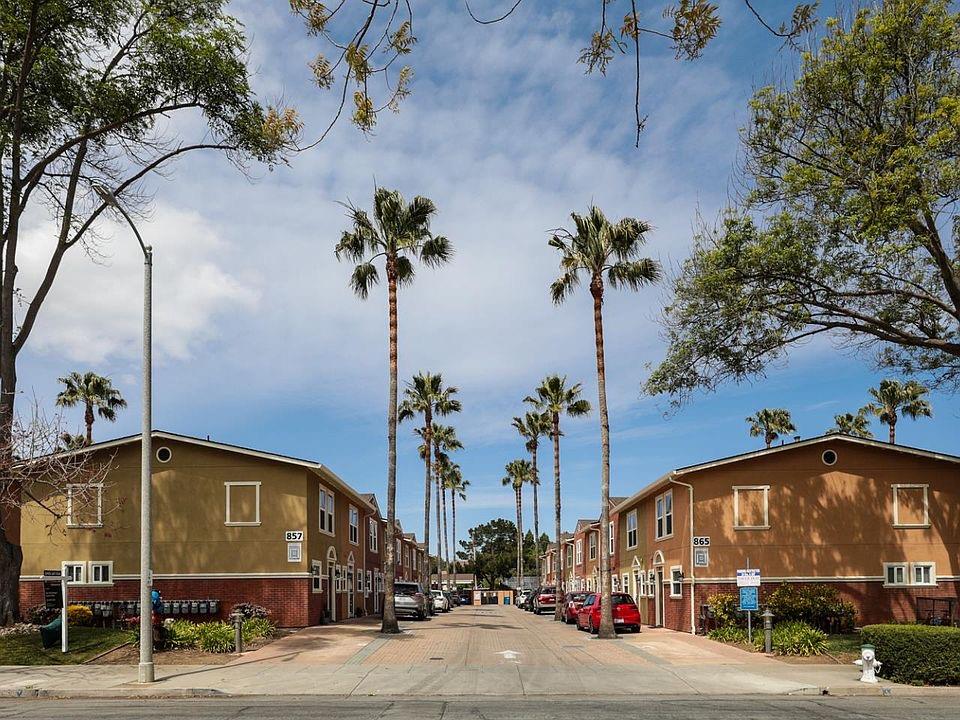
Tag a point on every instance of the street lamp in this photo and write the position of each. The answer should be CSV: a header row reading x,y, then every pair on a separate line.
x,y
145,670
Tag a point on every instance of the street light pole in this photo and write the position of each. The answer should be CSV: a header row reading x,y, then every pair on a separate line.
x,y
145,669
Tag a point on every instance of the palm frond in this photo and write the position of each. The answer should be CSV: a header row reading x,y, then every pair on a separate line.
x,y
634,275
405,271
363,278
562,288
436,251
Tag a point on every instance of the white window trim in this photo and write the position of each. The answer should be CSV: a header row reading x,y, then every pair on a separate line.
x,y
611,536
90,566
373,536
737,525
593,546
906,574
896,505
663,496
83,570
579,552
635,531
316,579
324,511
99,489
933,574
244,483
674,568
353,510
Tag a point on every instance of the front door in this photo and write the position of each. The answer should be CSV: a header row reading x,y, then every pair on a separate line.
x,y
332,594
658,597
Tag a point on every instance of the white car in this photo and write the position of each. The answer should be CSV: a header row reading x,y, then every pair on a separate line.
x,y
440,602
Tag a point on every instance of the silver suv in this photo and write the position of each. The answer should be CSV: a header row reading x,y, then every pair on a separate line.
x,y
409,600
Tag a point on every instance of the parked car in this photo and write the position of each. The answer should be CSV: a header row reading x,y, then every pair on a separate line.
x,y
466,597
440,601
523,597
409,600
572,604
451,598
532,600
626,615
545,600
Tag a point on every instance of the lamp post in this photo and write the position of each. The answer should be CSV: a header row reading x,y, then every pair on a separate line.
x,y
145,669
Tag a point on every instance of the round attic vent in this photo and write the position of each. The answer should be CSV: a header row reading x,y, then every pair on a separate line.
x,y
164,454
829,457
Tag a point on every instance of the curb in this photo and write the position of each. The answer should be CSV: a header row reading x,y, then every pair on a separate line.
x,y
30,692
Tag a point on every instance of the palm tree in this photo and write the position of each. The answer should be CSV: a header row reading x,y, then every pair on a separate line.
x,y
399,233
457,486
894,398
427,396
849,424
445,441
94,392
605,252
519,473
532,427
770,423
554,398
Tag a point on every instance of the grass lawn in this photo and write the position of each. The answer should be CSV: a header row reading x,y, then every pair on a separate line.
x,y
844,644
85,643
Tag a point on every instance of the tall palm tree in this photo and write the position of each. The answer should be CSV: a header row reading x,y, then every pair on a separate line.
x,y
427,396
445,441
95,393
532,427
457,487
770,424
849,424
554,398
605,253
519,473
399,232
894,399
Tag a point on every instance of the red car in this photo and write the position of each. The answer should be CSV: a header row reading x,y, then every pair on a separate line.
x,y
625,613
572,606
545,599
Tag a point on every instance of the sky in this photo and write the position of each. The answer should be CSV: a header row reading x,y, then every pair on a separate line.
x,y
258,340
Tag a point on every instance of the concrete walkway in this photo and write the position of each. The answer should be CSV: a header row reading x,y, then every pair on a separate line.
x,y
469,652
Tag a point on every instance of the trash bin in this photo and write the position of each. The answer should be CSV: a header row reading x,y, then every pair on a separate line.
x,y
50,634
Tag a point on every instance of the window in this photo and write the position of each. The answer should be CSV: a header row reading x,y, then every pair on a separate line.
x,y
632,529
570,555
924,574
326,511
85,505
676,582
164,455
316,576
610,536
593,546
243,503
579,552
374,536
895,573
359,581
399,557
369,586
101,573
664,505
751,507
626,584
74,572
354,532
911,506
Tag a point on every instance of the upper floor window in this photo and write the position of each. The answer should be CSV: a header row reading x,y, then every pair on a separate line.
x,y
751,507
570,555
610,536
354,519
85,505
593,546
664,513
326,511
242,503
399,556
374,536
632,529
911,506
579,552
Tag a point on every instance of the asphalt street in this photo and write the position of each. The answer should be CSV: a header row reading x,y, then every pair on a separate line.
x,y
655,708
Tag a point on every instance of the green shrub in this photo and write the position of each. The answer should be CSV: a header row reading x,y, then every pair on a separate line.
x,y
256,628
182,633
818,605
728,634
794,638
79,615
724,607
215,637
917,654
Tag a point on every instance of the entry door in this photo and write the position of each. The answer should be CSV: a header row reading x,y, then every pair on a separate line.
x,y
332,595
658,597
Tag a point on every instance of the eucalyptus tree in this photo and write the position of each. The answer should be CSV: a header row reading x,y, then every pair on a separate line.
x,y
445,441
519,473
95,393
770,424
605,253
554,398
849,424
398,234
533,426
893,399
427,396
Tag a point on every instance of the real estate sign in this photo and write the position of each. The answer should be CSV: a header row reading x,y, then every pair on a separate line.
x,y
750,577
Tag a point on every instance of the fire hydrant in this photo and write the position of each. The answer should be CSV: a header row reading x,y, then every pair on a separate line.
x,y
868,664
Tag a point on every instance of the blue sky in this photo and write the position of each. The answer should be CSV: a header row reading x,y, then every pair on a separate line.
x,y
259,342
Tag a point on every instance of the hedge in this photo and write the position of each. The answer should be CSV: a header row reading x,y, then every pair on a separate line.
x,y
916,654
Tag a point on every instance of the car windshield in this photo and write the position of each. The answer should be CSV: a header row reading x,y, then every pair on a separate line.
x,y
577,597
547,591
405,589
621,599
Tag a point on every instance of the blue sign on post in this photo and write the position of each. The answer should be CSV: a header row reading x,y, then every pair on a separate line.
x,y
749,598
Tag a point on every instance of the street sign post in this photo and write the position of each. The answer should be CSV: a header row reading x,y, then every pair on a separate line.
x,y
748,580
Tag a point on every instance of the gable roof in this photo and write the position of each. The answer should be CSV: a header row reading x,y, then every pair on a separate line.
x,y
312,465
665,479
